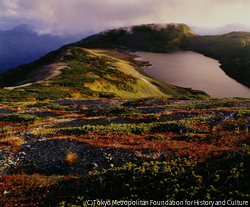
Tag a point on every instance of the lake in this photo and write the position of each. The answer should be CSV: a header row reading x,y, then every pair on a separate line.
x,y
193,70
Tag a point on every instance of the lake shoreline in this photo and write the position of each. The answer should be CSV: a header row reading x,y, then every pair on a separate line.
x,y
166,88
191,70
180,89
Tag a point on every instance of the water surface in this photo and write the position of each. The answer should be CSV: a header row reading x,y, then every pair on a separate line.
x,y
193,70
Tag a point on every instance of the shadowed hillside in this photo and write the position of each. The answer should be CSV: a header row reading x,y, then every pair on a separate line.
x,y
232,50
151,37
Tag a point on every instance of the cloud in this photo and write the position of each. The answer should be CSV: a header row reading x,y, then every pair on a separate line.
x,y
82,16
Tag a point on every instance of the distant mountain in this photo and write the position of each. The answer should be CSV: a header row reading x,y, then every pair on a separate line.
x,y
23,28
21,46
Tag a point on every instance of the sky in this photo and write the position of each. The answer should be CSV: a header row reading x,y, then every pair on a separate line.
x,y
81,17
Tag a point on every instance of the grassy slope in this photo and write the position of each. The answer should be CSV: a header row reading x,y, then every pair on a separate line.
x,y
89,74
139,88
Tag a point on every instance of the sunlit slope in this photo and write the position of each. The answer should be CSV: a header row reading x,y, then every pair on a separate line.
x,y
75,72
100,75
151,37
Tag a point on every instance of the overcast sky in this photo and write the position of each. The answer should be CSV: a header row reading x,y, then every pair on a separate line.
x,y
84,16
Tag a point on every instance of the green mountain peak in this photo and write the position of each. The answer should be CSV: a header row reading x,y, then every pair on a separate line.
x,y
146,37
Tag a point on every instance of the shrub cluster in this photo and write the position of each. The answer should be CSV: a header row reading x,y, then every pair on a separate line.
x,y
170,180
22,118
114,111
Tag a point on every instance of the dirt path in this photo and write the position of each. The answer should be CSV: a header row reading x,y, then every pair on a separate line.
x,y
44,73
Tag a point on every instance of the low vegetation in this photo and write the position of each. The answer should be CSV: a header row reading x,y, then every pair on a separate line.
x,y
199,150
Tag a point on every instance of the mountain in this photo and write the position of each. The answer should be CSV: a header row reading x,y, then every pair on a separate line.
x,y
23,28
149,37
232,50
21,46
92,68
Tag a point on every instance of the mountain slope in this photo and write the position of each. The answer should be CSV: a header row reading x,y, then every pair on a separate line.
x,y
21,46
75,72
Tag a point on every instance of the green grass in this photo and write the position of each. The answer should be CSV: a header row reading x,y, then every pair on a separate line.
x,y
75,80
89,69
49,105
